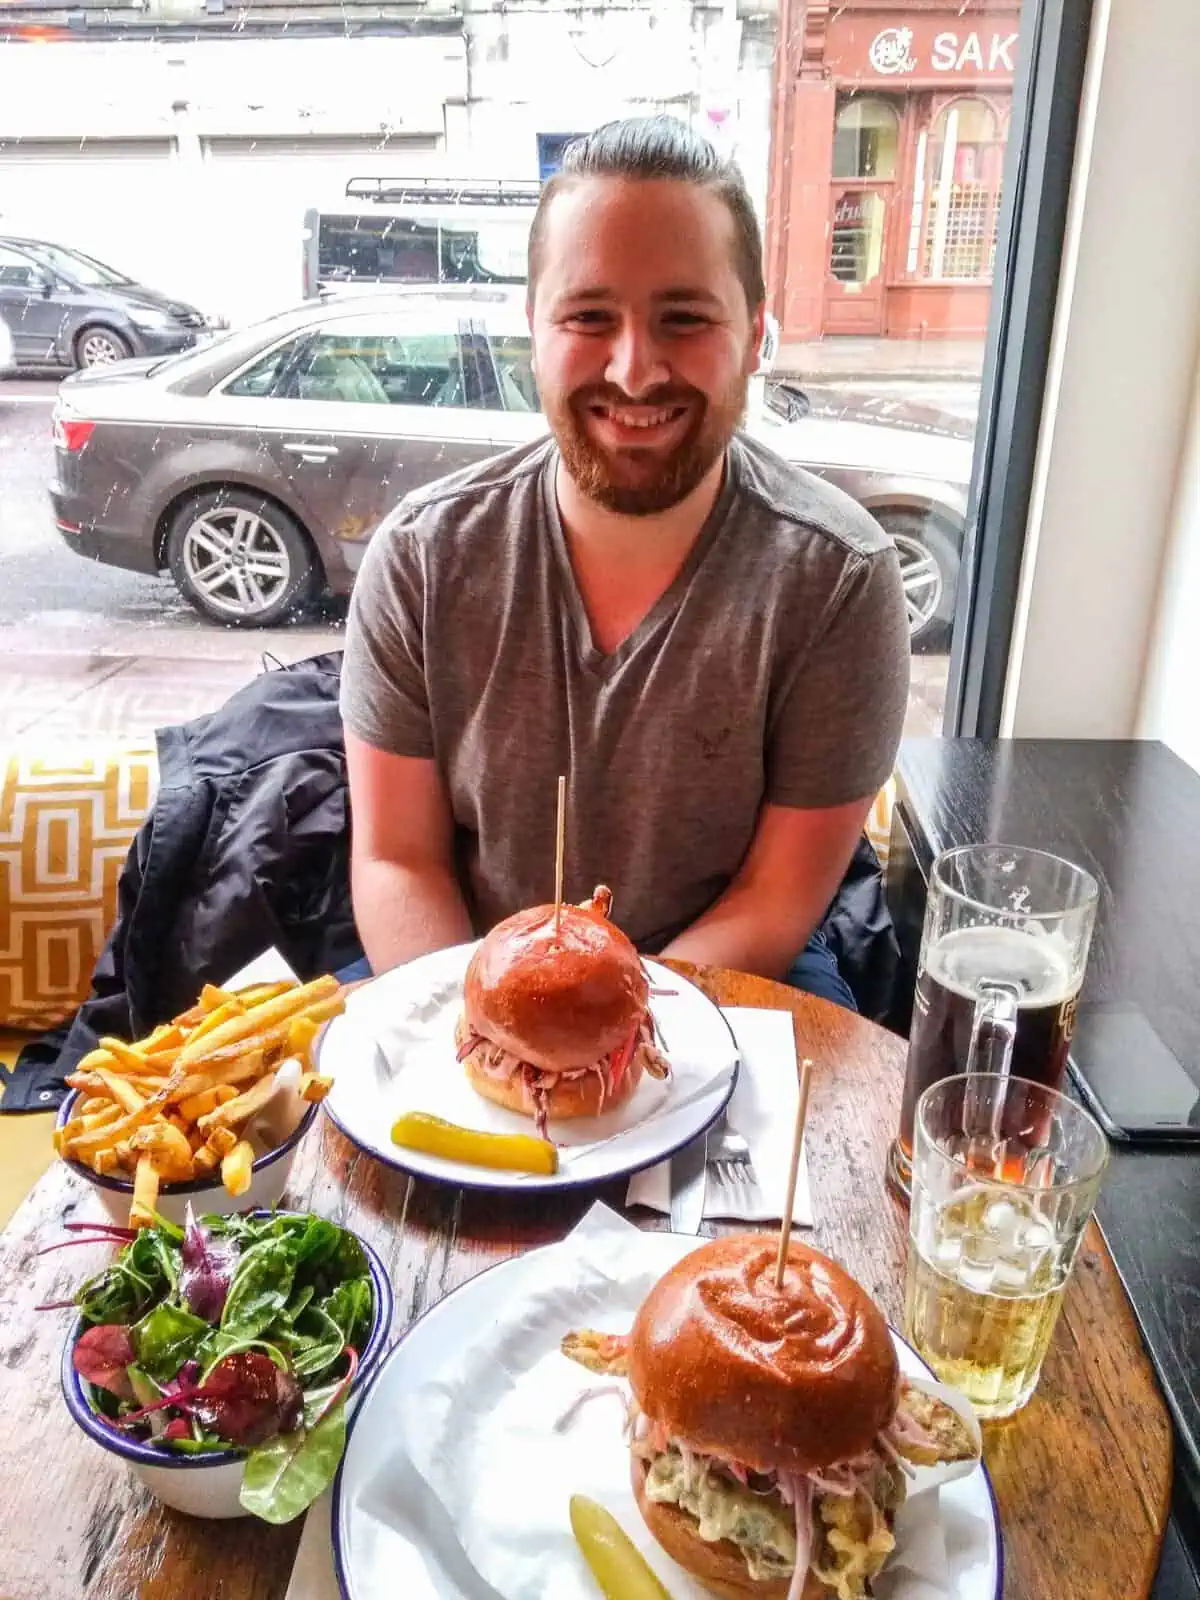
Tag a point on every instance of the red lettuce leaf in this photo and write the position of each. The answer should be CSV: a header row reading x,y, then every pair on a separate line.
x,y
246,1398
208,1268
101,1356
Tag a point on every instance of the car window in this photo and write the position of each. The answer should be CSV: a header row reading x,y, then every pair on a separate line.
x,y
484,252
513,355
16,271
407,369
380,249
83,270
262,377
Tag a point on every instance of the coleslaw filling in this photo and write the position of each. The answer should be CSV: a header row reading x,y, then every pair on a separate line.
x,y
835,1520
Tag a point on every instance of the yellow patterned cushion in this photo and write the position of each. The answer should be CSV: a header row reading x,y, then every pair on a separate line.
x,y
67,816
879,822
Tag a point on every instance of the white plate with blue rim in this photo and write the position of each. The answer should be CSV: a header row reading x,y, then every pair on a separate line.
x,y
393,1051
457,1474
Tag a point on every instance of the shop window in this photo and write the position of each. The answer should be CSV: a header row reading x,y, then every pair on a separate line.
x,y
866,138
960,162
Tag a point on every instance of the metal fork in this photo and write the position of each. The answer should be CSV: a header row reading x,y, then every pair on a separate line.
x,y
728,1155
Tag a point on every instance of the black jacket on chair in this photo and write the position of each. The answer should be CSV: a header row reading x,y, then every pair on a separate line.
x,y
247,848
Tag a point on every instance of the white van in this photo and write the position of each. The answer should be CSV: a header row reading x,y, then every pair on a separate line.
x,y
393,231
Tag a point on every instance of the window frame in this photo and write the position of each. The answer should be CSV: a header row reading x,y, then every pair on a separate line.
x,y
1036,184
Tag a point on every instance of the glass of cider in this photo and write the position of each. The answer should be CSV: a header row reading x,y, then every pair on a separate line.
x,y
1006,1173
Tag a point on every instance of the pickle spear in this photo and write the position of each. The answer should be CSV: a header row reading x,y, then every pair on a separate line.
x,y
516,1152
616,1562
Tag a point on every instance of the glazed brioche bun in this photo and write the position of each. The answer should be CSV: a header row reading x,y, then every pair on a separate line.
x,y
569,1097
788,1380
719,1565
557,1000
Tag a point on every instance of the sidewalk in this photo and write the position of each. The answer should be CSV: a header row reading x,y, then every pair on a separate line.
x,y
838,359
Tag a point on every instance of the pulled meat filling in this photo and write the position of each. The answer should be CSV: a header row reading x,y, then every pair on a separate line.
x,y
640,1047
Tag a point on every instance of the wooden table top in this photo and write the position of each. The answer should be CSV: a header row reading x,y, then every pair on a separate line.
x,y
1082,1476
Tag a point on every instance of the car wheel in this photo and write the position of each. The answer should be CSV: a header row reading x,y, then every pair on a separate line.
x,y
100,347
929,562
240,559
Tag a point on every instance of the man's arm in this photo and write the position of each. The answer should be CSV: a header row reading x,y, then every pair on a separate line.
x,y
406,896
764,919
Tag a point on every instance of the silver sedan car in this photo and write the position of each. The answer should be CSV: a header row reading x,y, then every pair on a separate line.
x,y
256,468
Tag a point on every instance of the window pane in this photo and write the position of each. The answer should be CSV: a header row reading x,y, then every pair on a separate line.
x,y
261,378
513,355
379,249
483,253
366,369
865,140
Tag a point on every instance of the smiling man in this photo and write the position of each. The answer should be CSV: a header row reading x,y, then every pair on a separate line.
x,y
709,642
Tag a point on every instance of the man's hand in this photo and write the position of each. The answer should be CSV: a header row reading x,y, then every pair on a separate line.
x,y
764,919
406,896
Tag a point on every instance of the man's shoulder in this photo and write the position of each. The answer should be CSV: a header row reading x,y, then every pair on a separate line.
x,y
473,491
798,507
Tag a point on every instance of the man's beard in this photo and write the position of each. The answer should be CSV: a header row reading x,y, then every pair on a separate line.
x,y
657,482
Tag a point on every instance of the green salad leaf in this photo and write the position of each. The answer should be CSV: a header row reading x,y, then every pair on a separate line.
x,y
284,1476
260,1288
167,1337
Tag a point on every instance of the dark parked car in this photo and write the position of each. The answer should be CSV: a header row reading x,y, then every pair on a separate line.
x,y
65,310
256,469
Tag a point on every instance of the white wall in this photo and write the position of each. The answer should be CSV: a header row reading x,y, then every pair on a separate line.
x,y
1170,708
1121,388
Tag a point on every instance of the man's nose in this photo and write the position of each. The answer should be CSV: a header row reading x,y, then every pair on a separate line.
x,y
635,362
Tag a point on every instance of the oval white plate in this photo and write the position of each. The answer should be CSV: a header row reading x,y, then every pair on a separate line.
x,y
385,1524
393,1051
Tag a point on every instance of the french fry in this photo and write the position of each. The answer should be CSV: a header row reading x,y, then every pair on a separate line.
x,y
221,1141
129,1057
302,1031
84,1147
125,1095
204,1161
215,1019
167,1036
169,1148
96,1058
145,1194
105,1163
257,993
233,1066
199,1105
225,1092
236,1111
235,1168
260,1019
212,997
314,1087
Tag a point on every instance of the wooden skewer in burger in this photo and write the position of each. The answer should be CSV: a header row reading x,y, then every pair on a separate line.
x,y
556,1018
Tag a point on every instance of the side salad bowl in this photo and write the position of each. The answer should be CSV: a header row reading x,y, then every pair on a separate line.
x,y
185,1462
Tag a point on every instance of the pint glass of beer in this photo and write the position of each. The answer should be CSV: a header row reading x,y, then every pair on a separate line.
x,y
1003,954
1005,1177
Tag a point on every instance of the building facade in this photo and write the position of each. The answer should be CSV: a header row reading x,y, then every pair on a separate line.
x,y
888,135
185,143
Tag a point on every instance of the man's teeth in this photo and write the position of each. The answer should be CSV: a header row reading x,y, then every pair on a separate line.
x,y
642,419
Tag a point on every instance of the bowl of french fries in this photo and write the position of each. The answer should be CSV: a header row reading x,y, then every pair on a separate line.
x,y
208,1108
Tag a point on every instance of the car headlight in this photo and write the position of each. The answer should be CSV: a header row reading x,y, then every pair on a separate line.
x,y
153,319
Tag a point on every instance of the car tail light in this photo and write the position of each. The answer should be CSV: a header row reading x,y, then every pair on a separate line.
x,y
72,433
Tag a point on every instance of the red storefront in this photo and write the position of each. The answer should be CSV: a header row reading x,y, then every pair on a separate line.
x,y
887,156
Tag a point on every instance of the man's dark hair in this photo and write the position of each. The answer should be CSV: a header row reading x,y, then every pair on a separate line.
x,y
658,147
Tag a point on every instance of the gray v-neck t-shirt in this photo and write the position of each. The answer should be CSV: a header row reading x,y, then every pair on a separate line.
x,y
773,669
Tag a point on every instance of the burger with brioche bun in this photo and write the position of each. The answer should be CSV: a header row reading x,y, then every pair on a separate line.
x,y
556,1016
771,1433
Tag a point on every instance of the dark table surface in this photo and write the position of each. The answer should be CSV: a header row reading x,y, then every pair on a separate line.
x,y
1128,811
